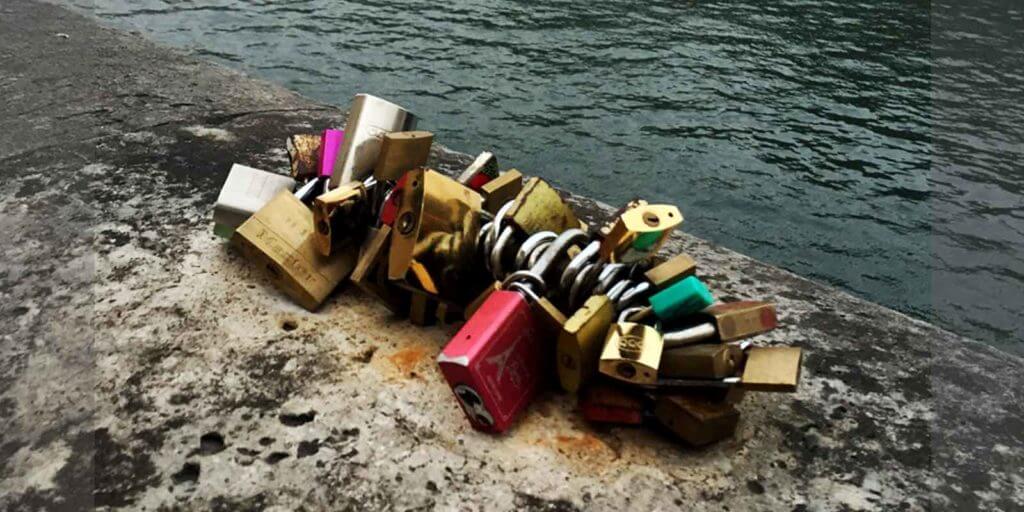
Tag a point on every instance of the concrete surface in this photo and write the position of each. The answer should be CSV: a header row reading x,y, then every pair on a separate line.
x,y
144,365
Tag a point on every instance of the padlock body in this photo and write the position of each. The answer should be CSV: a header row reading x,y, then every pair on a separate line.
x,y
279,237
245,191
774,369
684,298
708,361
501,190
539,207
743,319
696,420
369,118
494,363
581,340
401,152
332,140
632,353
671,271
304,155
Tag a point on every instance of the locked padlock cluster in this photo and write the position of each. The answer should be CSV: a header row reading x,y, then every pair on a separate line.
x,y
543,299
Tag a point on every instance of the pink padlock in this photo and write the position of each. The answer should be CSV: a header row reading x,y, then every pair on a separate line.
x,y
329,147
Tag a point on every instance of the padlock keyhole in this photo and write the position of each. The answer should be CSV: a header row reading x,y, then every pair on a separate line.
x,y
626,370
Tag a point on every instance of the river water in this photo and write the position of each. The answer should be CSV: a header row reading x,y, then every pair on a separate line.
x,y
877,146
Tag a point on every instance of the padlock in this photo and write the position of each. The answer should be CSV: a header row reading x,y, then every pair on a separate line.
x,y
329,148
695,420
501,190
304,155
686,297
431,204
369,118
280,238
370,275
725,322
671,271
708,361
483,169
245,191
581,340
496,361
603,403
631,353
401,152
340,216
639,232
539,207
775,369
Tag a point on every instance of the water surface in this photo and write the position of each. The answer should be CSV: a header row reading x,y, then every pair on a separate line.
x,y
876,146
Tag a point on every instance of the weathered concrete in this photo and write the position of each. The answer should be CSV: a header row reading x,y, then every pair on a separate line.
x,y
144,365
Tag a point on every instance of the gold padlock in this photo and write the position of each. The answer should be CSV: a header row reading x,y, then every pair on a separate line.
x,y
725,322
632,353
401,152
639,232
775,369
432,203
672,270
501,190
695,420
539,207
710,361
304,155
279,237
342,202
581,340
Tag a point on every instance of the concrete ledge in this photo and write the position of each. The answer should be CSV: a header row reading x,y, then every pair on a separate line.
x,y
144,365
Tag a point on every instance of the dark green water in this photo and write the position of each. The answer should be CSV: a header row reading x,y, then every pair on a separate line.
x,y
876,146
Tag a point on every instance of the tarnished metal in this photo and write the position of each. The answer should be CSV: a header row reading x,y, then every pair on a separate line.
x,y
501,190
772,369
696,420
708,361
672,270
539,207
304,155
338,216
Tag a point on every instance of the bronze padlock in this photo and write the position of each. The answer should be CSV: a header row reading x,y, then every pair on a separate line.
x,y
707,361
279,237
639,232
539,207
696,420
581,340
632,353
401,152
339,216
672,270
501,190
437,224
775,369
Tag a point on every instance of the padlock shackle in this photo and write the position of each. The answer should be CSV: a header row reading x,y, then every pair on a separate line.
x,y
690,335
530,277
558,247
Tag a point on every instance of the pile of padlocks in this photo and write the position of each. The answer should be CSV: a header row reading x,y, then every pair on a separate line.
x,y
636,335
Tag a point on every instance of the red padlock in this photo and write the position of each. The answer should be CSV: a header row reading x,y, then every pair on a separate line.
x,y
493,363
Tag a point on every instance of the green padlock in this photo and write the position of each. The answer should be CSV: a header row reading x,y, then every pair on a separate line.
x,y
683,298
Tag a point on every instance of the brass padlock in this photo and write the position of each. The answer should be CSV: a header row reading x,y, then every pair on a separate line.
x,y
632,353
695,420
339,216
539,207
774,369
581,340
710,361
672,270
639,232
501,190
437,223
483,169
725,322
401,152
304,155
280,238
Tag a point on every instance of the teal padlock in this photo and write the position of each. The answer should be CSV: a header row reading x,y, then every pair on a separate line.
x,y
683,298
